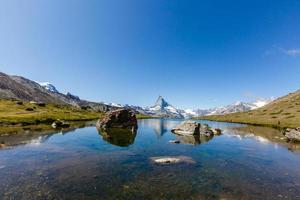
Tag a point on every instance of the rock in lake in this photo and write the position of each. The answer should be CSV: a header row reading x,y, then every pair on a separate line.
x,y
293,134
206,130
174,141
60,124
121,118
164,160
187,128
217,131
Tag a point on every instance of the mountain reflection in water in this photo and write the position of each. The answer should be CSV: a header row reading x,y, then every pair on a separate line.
x,y
245,162
263,135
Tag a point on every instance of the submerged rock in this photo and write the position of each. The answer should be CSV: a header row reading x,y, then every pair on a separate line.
x,y
164,160
121,118
187,128
293,134
60,124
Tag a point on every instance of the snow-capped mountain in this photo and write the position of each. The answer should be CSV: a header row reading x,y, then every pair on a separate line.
x,y
48,86
232,108
114,105
162,108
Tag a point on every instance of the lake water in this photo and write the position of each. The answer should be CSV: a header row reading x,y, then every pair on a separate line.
x,y
246,162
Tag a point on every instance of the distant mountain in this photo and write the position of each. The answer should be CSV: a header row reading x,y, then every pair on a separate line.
x,y
162,108
239,107
17,87
232,108
282,112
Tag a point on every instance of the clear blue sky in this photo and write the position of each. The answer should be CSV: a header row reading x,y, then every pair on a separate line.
x,y
195,53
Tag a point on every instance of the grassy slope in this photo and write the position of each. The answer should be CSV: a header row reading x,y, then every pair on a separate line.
x,y
283,112
12,113
141,116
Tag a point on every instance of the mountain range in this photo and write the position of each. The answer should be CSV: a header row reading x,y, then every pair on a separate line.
x,y
164,109
17,87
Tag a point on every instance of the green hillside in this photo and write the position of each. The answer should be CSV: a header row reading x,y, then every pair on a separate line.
x,y
283,112
24,113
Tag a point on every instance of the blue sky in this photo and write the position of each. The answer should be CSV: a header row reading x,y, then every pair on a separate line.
x,y
197,54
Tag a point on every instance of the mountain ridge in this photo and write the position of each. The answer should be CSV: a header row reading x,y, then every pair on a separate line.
x,y
18,87
282,112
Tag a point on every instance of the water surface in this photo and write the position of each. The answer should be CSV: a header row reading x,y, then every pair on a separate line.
x,y
246,162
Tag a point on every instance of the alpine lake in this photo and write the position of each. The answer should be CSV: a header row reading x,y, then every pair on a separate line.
x,y
245,162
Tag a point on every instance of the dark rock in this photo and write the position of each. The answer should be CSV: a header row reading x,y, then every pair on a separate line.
x,y
60,124
174,141
29,109
41,104
20,102
85,107
121,118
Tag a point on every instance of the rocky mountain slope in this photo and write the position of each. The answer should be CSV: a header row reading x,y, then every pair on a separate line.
x,y
282,112
162,108
17,87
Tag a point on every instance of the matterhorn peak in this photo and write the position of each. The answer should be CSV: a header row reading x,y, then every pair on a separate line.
x,y
161,102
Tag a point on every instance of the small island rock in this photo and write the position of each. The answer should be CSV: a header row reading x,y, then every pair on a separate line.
x,y
187,128
60,124
293,134
217,131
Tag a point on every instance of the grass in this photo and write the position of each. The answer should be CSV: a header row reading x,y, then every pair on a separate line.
x,y
281,113
14,113
141,116
11,113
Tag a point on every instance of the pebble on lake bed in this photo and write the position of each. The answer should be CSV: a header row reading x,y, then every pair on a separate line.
x,y
172,160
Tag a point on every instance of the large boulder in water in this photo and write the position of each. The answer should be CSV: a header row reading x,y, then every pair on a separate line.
x,y
293,134
187,128
121,118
